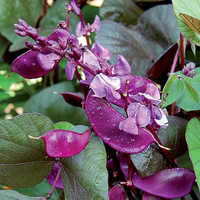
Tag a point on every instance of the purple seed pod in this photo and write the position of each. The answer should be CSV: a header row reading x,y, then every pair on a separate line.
x,y
64,143
123,162
117,193
105,122
147,196
52,175
72,98
168,183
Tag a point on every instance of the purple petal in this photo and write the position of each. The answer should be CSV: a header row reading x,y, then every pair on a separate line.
x,y
143,116
72,98
153,91
48,61
27,65
75,8
96,24
101,84
147,196
91,60
64,143
117,193
123,162
80,30
105,121
100,51
69,70
122,66
52,175
129,125
168,183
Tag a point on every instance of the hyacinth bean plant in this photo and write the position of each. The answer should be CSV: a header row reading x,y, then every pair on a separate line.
x,y
137,129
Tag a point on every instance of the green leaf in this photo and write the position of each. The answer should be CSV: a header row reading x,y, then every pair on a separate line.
x,y
121,11
190,100
13,195
184,161
41,189
85,175
23,160
151,161
63,125
174,89
54,106
193,141
54,15
89,13
141,44
12,10
190,8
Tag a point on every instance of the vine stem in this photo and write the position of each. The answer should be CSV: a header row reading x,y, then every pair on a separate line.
x,y
54,183
182,49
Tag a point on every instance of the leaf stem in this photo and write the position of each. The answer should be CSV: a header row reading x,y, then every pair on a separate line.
x,y
182,49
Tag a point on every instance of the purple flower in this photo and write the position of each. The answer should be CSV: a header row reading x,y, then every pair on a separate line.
x,y
52,175
82,29
103,85
188,70
100,51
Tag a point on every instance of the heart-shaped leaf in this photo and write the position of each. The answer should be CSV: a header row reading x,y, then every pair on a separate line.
x,y
193,141
13,195
54,106
85,175
143,43
21,154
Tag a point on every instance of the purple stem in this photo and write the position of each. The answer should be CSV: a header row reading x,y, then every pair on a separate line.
x,y
54,184
182,49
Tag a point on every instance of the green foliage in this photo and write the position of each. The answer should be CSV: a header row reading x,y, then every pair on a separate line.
x,y
19,153
54,106
125,11
150,160
13,195
85,175
190,8
141,44
63,125
193,141
183,90
11,11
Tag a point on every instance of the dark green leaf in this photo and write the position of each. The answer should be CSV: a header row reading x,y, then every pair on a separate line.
x,y
54,106
4,44
23,161
121,10
85,175
193,141
143,43
184,161
41,189
89,13
12,10
13,195
150,161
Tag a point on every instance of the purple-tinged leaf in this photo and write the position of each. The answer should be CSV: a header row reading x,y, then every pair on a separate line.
x,y
28,65
168,183
64,143
52,175
117,193
147,196
72,98
105,122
